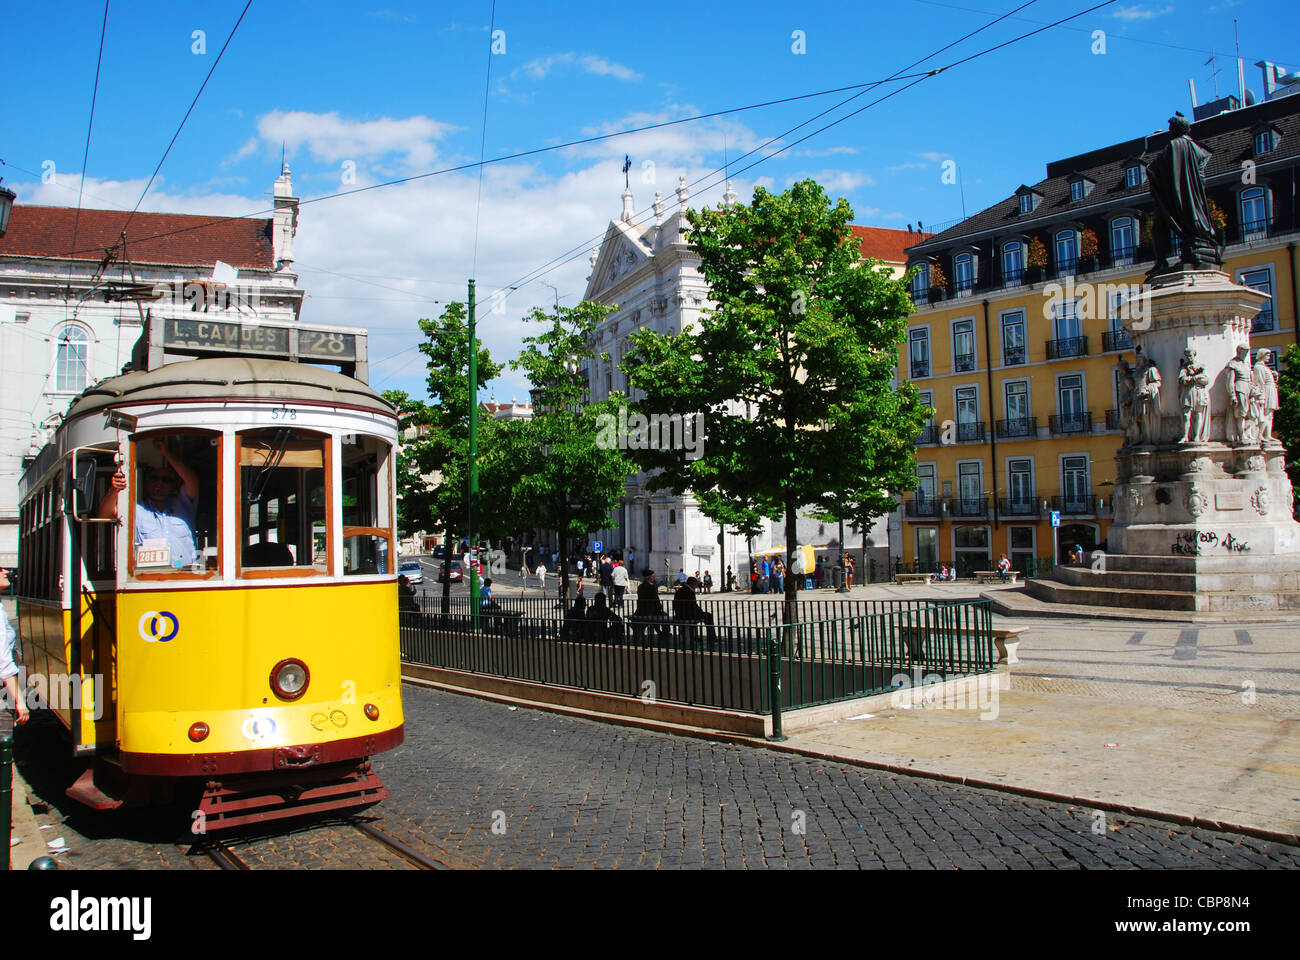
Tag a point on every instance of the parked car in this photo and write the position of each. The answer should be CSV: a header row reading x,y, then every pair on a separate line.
x,y
456,575
412,570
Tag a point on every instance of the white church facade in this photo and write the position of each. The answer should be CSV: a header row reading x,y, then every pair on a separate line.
x,y
649,272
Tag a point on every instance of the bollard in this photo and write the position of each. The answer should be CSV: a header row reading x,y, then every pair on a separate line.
x,y
6,790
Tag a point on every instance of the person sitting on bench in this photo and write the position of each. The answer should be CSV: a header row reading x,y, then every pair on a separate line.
x,y
686,609
608,625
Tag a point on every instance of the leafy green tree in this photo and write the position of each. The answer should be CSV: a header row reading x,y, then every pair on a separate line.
x,y
1286,421
440,446
793,371
554,471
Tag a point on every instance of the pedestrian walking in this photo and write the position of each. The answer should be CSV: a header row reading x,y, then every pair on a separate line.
x,y
17,702
541,575
620,580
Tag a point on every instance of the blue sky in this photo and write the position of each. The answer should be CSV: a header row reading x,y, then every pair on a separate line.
x,y
389,89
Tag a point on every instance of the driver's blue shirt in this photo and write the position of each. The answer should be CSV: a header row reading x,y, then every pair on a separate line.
x,y
174,524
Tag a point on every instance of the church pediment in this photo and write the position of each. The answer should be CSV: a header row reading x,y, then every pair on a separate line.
x,y
620,253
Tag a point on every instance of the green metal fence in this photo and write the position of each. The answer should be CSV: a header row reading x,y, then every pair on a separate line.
x,y
751,669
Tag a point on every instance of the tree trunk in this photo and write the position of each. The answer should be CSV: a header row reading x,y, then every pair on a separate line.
x,y
562,575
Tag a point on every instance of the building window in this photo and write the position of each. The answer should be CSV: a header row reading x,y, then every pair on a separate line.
x,y
927,549
72,362
969,426
1074,485
1263,142
1013,263
926,490
1067,252
22,317
1261,279
1123,241
1117,338
1017,399
1133,175
1020,487
970,489
1072,416
672,518
921,284
963,346
1026,203
1254,213
963,272
919,347
1076,191
1013,338
1070,341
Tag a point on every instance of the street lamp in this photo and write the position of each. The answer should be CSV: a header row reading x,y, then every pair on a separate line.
x,y
6,207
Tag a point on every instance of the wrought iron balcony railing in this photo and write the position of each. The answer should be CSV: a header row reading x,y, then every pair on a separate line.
x,y
920,368
1018,427
970,431
929,434
1113,341
1067,347
921,507
1263,321
1027,506
1113,420
963,362
1067,423
1012,356
969,506
1075,505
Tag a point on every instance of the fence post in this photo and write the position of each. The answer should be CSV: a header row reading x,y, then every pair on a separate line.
x,y
774,680
6,790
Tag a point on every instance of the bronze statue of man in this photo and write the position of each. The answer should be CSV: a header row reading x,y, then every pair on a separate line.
x,y
1177,178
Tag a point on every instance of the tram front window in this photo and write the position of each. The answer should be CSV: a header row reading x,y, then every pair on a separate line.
x,y
176,510
283,501
367,520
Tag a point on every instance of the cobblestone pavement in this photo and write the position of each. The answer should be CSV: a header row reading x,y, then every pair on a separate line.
x,y
501,787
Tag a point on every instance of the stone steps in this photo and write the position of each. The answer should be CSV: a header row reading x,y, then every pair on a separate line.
x,y
1201,581
1249,597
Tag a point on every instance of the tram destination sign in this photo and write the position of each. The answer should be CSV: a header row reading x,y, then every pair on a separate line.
x,y
214,336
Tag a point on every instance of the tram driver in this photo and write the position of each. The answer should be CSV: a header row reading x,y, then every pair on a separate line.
x,y
167,511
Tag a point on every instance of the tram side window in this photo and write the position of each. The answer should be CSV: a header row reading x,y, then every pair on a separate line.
x,y
100,538
177,509
367,520
283,501
41,553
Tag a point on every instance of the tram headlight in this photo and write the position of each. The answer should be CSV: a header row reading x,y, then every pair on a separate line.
x,y
199,731
289,679
372,712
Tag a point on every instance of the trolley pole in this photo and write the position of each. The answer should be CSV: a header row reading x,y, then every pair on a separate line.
x,y
473,466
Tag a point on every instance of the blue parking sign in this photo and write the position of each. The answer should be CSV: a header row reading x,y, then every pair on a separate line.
x,y
596,546
1056,518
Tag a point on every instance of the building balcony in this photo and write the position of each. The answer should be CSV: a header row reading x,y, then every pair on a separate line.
x,y
1029,506
969,508
1067,347
1113,420
1124,256
963,286
1076,505
1017,427
1067,267
1115,341
963,363
922,507
1013,278
1263,322
1249,230
928,434
1069,423
1013,356
970,432
920,369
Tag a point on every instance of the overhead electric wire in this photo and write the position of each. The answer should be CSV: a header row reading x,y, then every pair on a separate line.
x,y
573,255
85,156
185,118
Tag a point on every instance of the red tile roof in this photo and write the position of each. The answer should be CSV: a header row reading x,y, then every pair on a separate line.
x,y
885,243
172,238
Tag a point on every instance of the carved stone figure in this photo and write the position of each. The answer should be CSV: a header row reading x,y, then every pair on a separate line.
x,y
1263,398
1194,386
1127,397
1237,373
1177,178
1146,405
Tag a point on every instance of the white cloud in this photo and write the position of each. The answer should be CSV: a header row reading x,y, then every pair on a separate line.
x,y
835,181
933,156
539,68
330,138
602,67
1139,12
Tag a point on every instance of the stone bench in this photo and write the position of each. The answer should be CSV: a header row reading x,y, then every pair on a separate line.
x,y
988,576
1007,641
914,577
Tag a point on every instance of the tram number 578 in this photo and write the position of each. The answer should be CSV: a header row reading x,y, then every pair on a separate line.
x,y
284,413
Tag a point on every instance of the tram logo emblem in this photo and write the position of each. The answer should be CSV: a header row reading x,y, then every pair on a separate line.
x,y
259,728
159,626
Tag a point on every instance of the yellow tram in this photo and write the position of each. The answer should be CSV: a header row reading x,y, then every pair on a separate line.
x,y
222,615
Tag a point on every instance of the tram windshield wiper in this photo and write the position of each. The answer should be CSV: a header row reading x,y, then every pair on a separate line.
x,y
275,454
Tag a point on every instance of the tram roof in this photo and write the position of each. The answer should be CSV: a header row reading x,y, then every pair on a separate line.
x,y
230,378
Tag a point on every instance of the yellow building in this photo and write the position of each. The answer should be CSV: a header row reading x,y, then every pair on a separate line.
x,y
1017,338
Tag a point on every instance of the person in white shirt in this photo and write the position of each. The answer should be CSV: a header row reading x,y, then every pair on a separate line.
x,y
9,669
541,575
620,584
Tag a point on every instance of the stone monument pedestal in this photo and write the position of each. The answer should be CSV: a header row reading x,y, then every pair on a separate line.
x,y
1203,506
